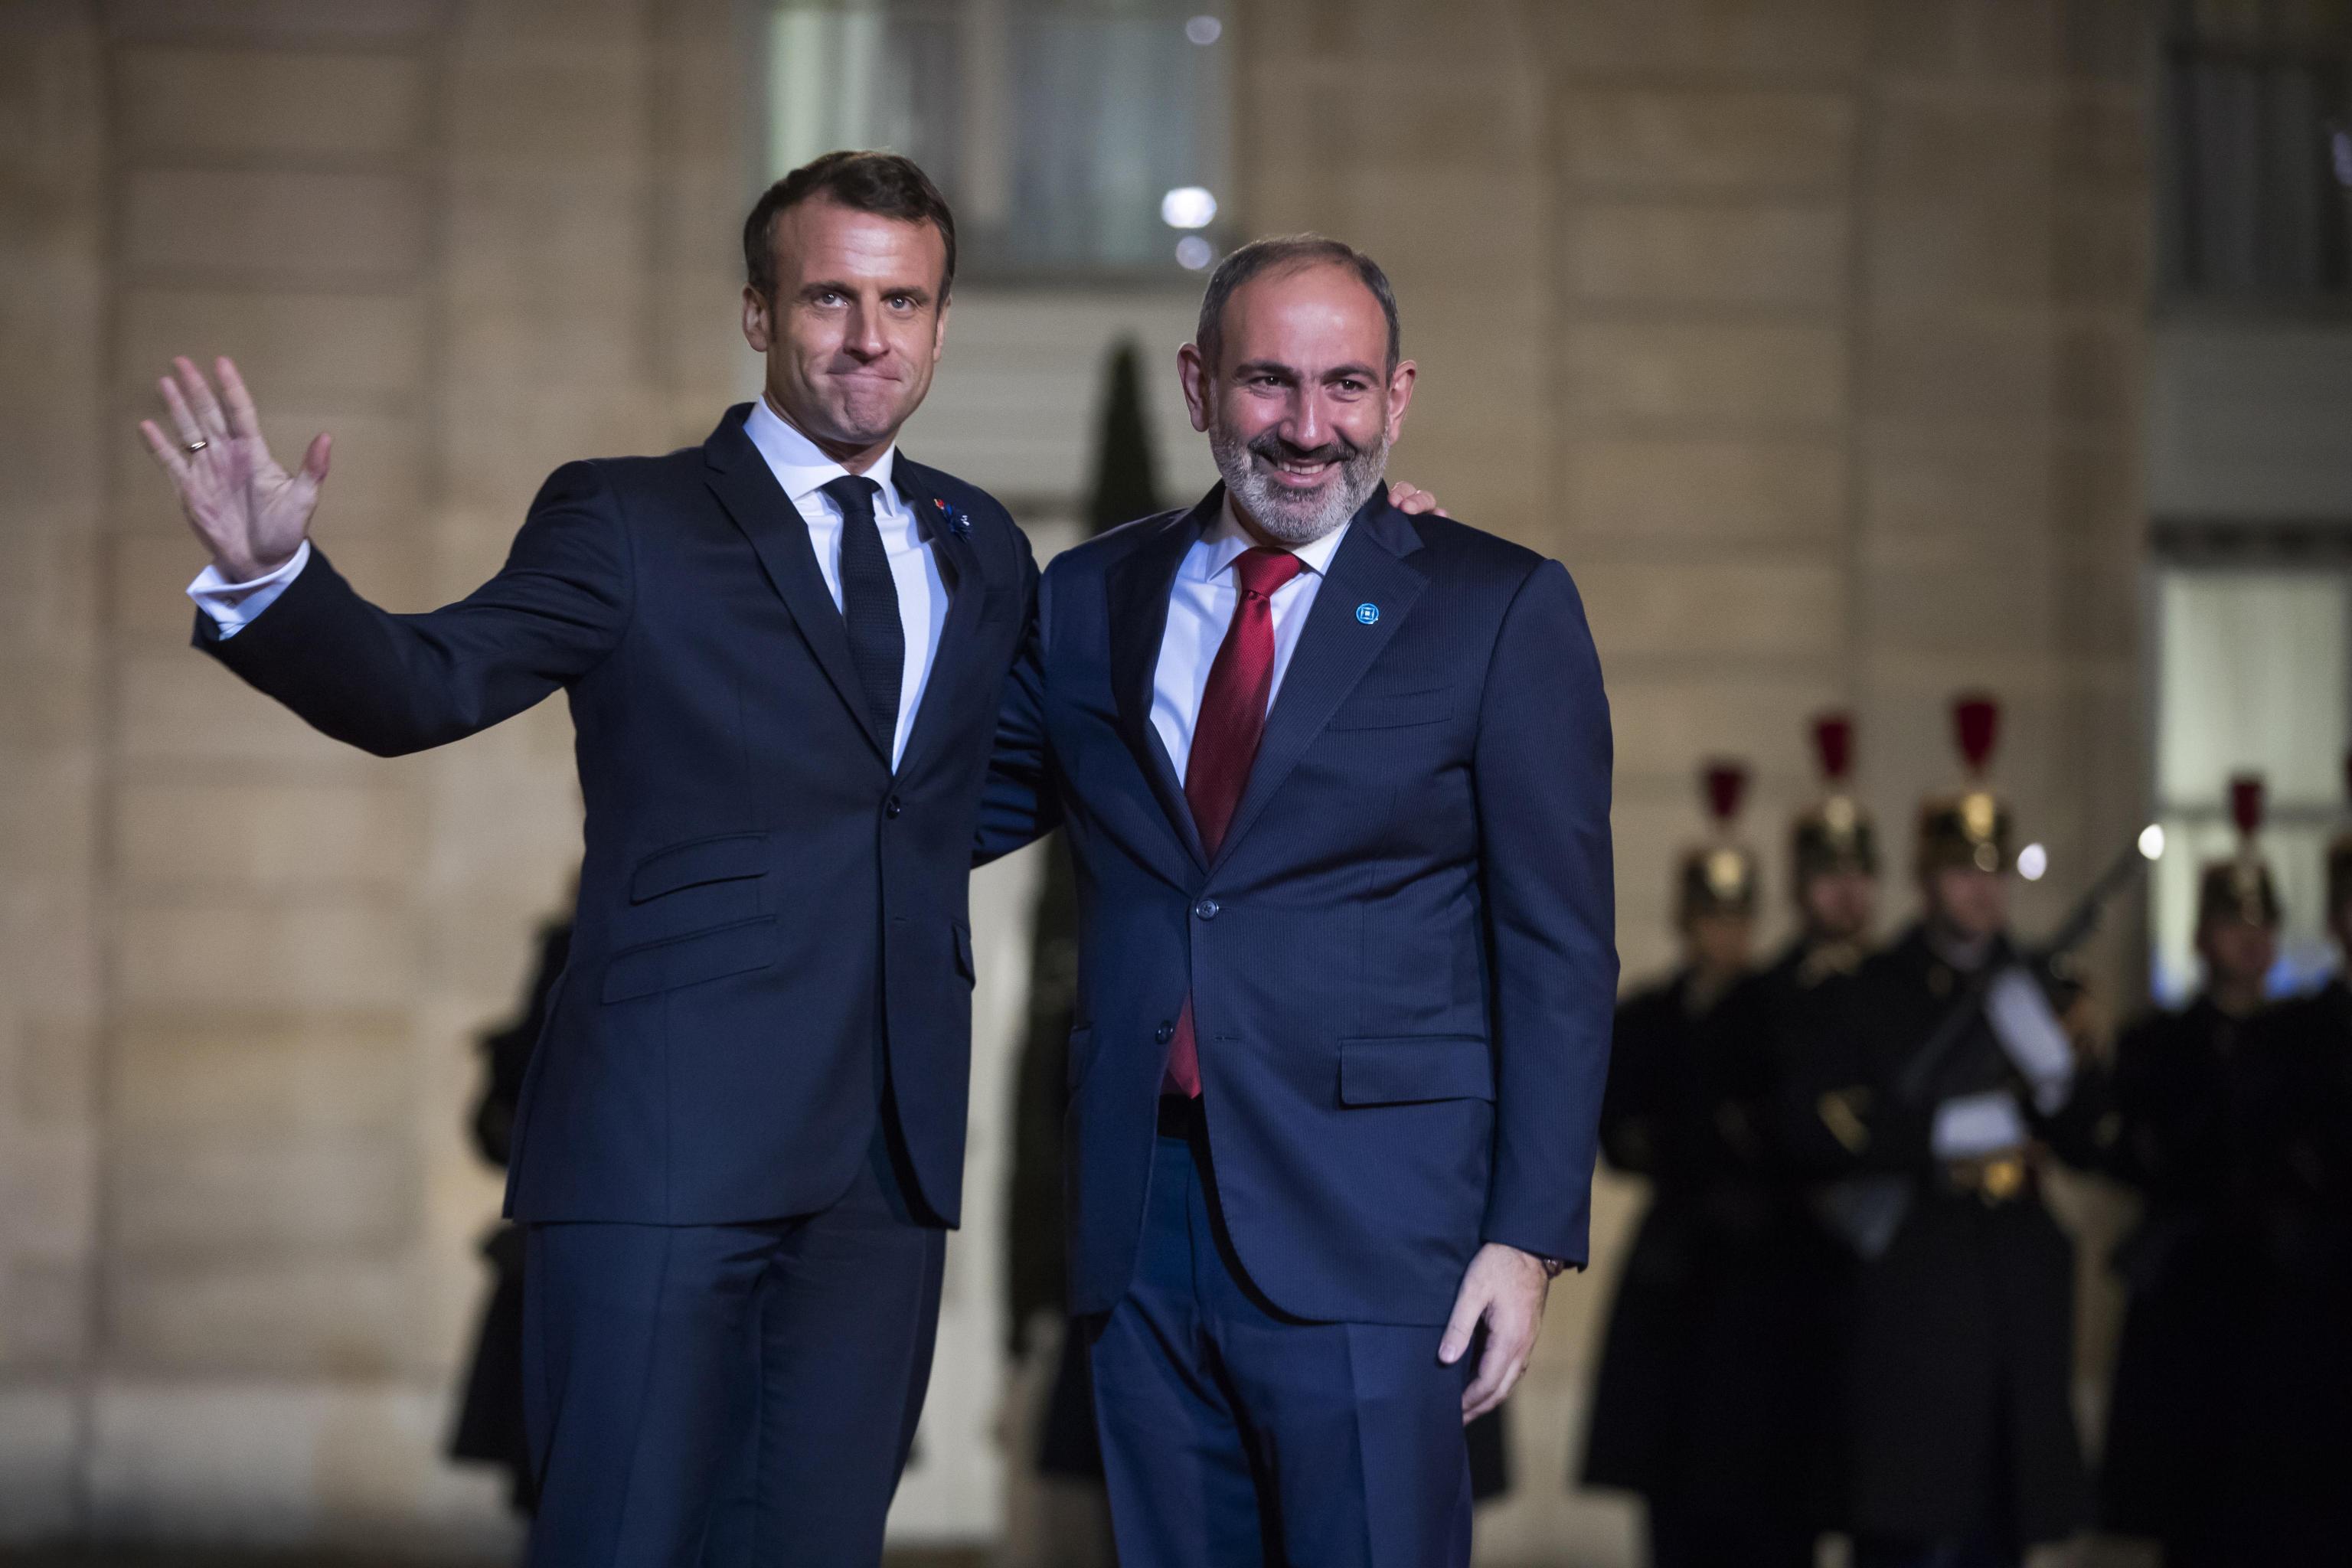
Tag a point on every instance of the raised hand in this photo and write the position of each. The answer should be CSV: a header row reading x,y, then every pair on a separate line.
x,y
249,512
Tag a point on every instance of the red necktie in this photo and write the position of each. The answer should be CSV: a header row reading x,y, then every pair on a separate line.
x,y
1224,743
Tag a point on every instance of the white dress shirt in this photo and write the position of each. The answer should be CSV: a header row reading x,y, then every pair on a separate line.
x,y
1201,609
802,472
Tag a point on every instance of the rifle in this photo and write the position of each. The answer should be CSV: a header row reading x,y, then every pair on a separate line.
x,y
1865,1211
1911,1086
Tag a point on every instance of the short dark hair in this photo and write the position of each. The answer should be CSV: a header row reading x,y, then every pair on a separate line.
x,y
1290,253
882,184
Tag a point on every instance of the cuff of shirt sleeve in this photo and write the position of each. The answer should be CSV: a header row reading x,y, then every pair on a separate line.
x,y
231,607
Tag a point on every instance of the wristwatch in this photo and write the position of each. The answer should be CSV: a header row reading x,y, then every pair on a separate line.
x,y
1553,1268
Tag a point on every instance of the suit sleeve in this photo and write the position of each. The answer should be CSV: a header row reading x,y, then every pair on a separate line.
x,y
394,684
1019,803
1542,778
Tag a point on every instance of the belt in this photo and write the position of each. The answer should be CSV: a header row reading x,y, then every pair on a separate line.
x,y
1180,1114
1997,1179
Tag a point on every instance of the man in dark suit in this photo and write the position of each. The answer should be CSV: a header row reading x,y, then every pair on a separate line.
x,y
1337,786
742,1137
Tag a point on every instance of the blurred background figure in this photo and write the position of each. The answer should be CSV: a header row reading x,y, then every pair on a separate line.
x,y
1664,1423
2294,1447
2177,1412
1057,1512
489,1428
1948,1065
1762,1445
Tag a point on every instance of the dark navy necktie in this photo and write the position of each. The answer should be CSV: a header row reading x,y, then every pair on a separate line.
x,y
869,604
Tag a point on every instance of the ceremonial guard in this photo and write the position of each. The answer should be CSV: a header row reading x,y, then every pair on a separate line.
x,y
2295,1075
1943,1066
2175,1135
1653,1402
1761,1448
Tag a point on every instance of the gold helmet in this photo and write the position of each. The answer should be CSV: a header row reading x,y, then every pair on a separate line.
x,y
2240,889
1719,877
2339,856
1835,833
1971,826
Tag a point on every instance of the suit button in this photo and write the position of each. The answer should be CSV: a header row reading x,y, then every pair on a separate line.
x,y
893,807
1207,909
1165,1033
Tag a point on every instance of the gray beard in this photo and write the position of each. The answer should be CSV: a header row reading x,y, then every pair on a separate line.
x,y
1291,519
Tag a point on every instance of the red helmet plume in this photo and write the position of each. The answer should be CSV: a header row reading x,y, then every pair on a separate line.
x,y
1726,783
1834,743
2246,803
1976,720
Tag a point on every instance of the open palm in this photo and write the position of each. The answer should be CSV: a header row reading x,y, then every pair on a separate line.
x,y
249,512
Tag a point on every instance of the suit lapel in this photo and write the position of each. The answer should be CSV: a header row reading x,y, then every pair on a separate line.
x,y
960,570
1335,649
1137,588
746,487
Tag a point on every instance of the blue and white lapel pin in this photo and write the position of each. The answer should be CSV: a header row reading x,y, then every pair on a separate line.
x,y
1367,613
958,523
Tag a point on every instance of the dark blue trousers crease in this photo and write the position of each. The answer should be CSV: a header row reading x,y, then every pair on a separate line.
x,y
717,1396
1236,1437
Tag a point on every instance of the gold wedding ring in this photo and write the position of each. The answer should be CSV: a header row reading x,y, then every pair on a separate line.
x,y
192,447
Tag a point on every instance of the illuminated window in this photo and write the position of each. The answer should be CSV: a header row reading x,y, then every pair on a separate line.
x,y
1075,138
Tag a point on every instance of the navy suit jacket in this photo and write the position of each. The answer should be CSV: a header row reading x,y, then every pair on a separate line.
x,y
762,901
1402,960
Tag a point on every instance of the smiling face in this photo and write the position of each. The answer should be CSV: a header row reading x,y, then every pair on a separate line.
x,y
856,325
1301,409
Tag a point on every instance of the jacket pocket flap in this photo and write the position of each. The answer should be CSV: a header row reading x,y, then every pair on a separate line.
x,y
726,859
1415,1067
1385,711
689,959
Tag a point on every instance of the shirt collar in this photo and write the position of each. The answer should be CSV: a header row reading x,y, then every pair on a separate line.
x,y
800,467
1226,539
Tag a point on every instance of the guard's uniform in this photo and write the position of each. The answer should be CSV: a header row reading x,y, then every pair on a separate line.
x,y
1959,1425
2295,1081
2176,1134
1959,1441
1697,1387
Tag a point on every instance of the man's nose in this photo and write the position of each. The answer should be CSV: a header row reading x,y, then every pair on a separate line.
x,y
1309,426
864,339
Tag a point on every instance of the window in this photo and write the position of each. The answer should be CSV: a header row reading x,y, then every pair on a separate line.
x,y
2253,674
2258,149
1077,140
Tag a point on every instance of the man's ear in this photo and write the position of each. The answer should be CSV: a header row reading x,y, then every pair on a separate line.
x,y
1200,397
1401,382
939,333
759,329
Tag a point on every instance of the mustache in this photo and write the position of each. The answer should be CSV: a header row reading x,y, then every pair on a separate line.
x,y
1274,449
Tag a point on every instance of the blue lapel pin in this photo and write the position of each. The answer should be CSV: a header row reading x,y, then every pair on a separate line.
x,y
1368,614
958,524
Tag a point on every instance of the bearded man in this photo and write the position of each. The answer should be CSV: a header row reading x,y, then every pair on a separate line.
x,y
1337,786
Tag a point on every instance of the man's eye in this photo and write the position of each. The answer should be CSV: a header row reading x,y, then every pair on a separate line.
x,y
1351,386
827,296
